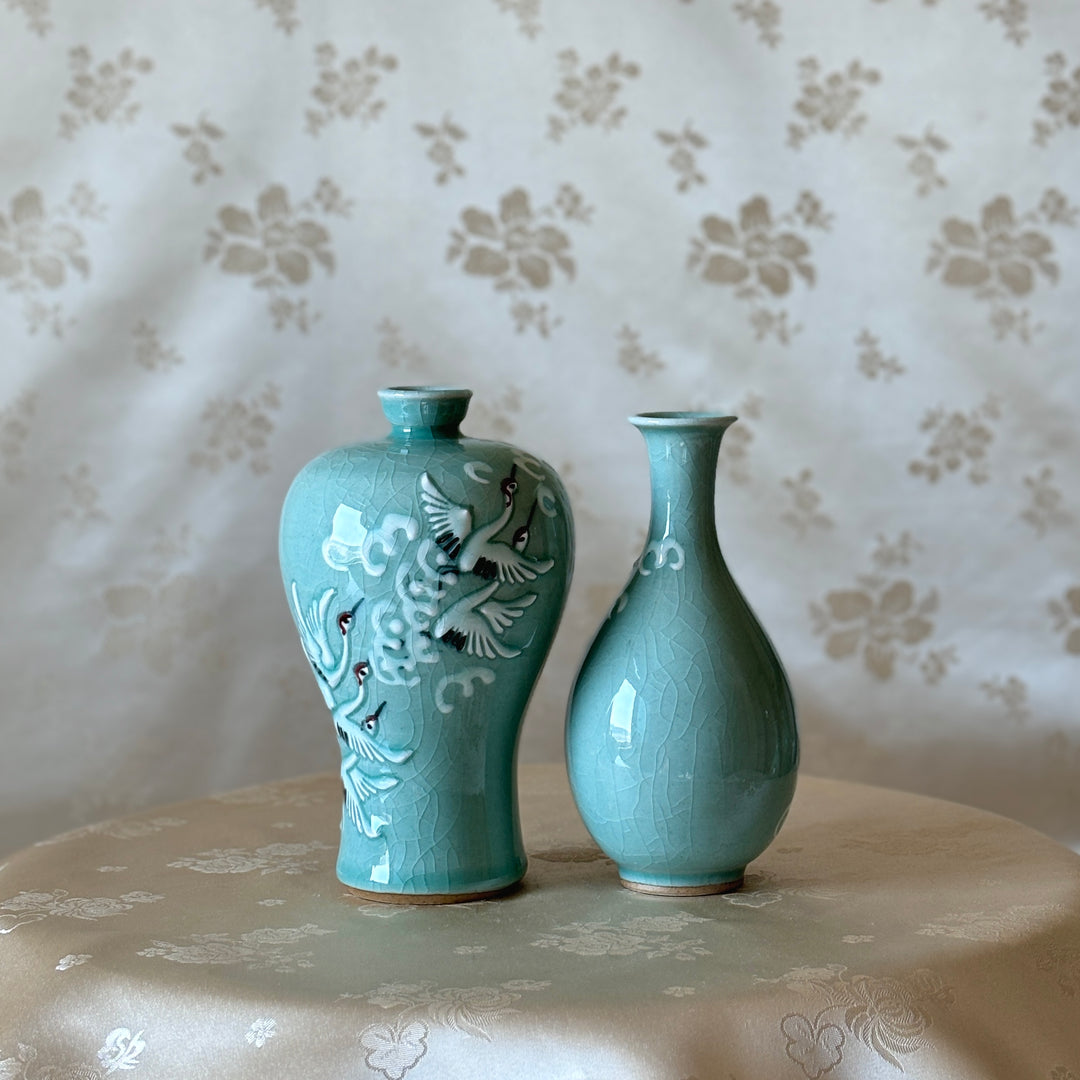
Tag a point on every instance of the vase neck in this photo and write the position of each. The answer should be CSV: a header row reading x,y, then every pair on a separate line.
x,y
425,412
683,450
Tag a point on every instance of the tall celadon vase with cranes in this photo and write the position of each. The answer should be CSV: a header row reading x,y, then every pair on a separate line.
x,y
426,572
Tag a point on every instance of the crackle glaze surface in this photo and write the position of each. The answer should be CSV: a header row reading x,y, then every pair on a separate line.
x,y
426,573
681,740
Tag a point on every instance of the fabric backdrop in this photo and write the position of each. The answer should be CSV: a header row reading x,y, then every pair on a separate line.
x,y
854,223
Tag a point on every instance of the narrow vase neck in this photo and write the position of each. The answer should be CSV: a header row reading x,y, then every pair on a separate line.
x,y
425,412
683,450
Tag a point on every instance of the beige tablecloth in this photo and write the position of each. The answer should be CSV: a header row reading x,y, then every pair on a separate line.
x,y
881,933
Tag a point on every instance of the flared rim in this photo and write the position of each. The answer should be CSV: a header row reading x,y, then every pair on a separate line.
x,y
438,393
669,420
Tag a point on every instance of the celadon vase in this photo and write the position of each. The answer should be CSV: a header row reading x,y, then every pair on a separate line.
x,y
681,742
426,573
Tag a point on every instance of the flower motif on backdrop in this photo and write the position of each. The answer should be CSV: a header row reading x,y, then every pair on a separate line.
x,y
760,257
1003,257
441,151
101,95
497,417
1012,693
735,449
520,249
151,352
15,424
683,158
829,105
588,97
38,248
279,246
394,350
960,440
872,361
527,13
883,617
1066,614
284,12
1046,510
633,357
199,151
923,164
765,15
238,429
804,514
82,503
1012,14
38,15
349,91
33,246
1061,101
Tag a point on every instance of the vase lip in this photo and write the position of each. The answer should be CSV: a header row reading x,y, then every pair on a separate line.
x,y
436,393
413,407
701,421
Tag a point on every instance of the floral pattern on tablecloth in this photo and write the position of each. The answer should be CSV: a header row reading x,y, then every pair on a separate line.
x,y
877,936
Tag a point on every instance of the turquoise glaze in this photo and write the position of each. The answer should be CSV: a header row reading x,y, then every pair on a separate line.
x,y
426,573
681,741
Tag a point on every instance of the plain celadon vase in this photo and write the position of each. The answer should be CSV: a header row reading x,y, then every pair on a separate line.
x,y
681,741
426,573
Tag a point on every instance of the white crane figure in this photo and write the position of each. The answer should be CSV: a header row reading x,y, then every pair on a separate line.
x,y
358,740
474,546
329,669
475,622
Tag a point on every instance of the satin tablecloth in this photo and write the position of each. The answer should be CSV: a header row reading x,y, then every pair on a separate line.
x,y
881,933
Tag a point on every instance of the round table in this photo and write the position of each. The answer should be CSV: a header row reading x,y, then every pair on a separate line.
x,y
880,932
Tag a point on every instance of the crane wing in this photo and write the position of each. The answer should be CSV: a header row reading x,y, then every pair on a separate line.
x,y
502,561
501,613
358,788
363,745
477,630
449,522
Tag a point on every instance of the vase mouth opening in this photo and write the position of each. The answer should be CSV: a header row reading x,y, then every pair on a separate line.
x,y
425,406
701,421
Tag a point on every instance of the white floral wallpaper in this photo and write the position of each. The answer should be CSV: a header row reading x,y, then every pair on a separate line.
x,y
855,223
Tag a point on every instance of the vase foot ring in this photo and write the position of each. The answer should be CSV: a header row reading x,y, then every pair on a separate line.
x,y
431,898
683,890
